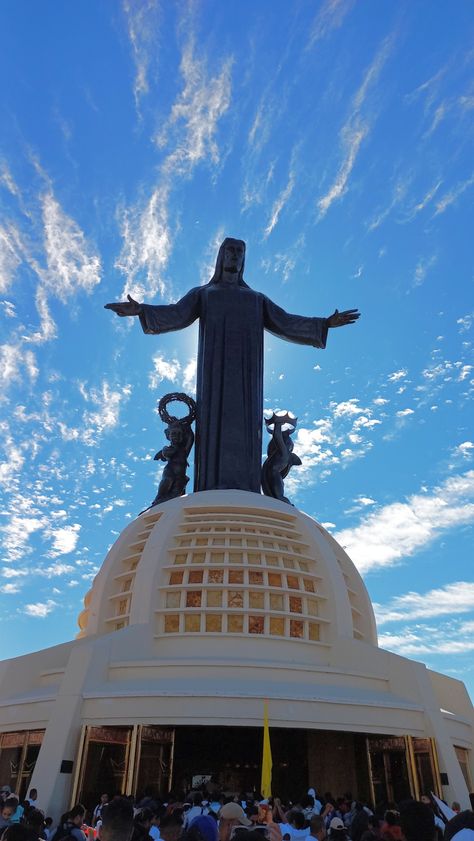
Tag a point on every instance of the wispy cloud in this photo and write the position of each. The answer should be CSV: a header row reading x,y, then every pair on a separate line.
x,y
432,641
191,131
195,116
14,362
39,609
355,130
72,264
147,245
330,16
457,597
337,439
279,205
173,371
426,200
400,529
452,196
422,268
10,254
142,24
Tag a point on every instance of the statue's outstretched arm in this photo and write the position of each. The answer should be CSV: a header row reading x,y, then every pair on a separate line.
x,y
340,319
124,308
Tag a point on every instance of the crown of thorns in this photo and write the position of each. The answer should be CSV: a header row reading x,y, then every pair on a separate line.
x,y
281,418
178,398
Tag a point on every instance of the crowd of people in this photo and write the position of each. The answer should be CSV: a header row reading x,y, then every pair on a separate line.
x,y
200,816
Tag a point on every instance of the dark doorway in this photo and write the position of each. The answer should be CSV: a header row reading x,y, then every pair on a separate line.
x,y
232,756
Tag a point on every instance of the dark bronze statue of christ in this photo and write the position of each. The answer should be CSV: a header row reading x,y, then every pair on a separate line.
x,y
229,391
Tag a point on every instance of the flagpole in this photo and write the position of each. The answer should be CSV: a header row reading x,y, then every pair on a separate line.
x,y
267,762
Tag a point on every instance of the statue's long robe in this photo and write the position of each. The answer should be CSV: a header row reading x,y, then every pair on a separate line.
x,y
229,389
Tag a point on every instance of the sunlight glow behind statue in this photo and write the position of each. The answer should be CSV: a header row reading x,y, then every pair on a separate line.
x,y
229,391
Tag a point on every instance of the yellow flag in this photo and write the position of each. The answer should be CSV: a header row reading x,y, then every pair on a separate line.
x,y
267,762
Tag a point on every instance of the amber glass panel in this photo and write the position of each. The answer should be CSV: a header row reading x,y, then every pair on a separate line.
x,y
312,607
195,576
201,541
276,601
198,558
235,541
304,566
256,624
272,560
171,624
277,626
217,557
255,577
296,604
296,628
176,578
173,598
254,558
289,563
192,623
309,585
193,598
122,607
180,559
236,576
235,624
215,576
274,579
126,585
252,543
235,599
235,558
256,600
292,581
214,598
314,631
213,622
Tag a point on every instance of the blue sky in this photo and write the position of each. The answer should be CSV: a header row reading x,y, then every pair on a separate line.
x,y
336,138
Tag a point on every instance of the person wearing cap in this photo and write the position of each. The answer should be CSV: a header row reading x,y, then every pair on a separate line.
x,y
230,815
337,830
201,828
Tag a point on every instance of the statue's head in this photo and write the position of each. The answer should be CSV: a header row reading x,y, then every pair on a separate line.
x,y
231,259
175,433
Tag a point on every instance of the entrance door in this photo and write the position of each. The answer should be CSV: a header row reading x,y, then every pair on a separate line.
x,y
155,759
389,769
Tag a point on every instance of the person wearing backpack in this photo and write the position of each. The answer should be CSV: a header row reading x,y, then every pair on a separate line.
x,y
70,825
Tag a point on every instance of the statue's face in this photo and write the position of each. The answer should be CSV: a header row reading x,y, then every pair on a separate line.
x,y
234,253
175,435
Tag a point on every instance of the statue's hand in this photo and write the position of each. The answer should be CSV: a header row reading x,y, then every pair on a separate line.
x,y
124,308
340,319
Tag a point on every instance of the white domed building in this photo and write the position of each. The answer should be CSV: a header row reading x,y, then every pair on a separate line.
x,y
206,606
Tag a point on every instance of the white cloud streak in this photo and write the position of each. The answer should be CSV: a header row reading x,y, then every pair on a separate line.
x,y
192,131
452,196
40,609
400,529
331,16
195,115
279,205
142,24
457,597
10,254
354,131
147,245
